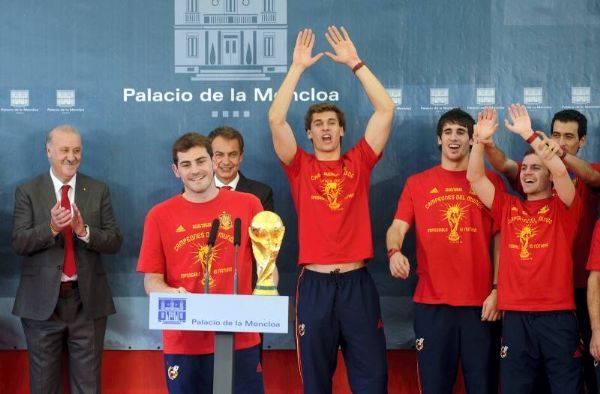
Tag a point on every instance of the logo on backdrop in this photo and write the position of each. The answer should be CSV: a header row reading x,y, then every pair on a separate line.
x,y
19,102
65,102
581,98
439,96
227,40
171,310
533,98
486,96
19,98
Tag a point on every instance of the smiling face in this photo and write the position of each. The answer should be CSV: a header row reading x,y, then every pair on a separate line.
x,y
195,169
326,133
454,143
536,179
63,148
227,156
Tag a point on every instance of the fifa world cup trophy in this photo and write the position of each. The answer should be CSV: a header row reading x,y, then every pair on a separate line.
x,y
266,232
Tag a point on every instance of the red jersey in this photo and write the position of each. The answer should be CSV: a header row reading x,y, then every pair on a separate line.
x,y
332,203
175,244
581,248
536,241
453,236
593,263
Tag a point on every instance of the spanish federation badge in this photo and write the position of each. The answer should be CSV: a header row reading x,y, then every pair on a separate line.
x,y
301,329
225,220
503,351
419,343
173,372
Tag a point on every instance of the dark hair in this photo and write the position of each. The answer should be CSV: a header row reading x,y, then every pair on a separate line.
x,y
323,107
456,116
571,115
529,151
229,133
189,141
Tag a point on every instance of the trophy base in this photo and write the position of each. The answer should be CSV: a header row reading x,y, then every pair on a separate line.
x,y
265,291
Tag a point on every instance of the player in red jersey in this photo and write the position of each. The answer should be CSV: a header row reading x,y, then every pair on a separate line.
x,y
568,137
173,257
593,298
337,303
455,302
535,276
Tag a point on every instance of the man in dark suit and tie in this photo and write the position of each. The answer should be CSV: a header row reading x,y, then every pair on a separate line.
x,y
63,221
228,153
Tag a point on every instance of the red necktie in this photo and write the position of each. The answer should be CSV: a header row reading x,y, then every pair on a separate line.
x,y
226,187
69,268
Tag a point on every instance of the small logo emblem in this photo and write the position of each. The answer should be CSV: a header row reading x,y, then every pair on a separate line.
x,y
543,210
301,329
65,98
486,96
173,372
503,351
171,310
225,220
581,95
419,344
19,98
434,191
439,96
533,96
180,229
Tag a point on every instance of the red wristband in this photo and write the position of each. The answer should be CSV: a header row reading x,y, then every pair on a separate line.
x,y
531,138
392,252
357,67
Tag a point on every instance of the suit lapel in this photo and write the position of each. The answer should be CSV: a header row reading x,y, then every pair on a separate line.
x,y
82,193
47,193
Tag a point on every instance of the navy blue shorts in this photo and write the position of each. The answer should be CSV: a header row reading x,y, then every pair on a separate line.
x,y
191,373
446,334
534,341
340,310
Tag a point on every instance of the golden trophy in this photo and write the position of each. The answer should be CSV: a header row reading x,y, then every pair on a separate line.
x,y
266,232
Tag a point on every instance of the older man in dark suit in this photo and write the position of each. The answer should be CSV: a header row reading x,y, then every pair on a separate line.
x,y
63,221
228,153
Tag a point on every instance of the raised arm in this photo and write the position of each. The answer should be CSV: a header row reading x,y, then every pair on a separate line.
x,y
498,160
484,130
583,170
399,264
284,141
521,125
380,124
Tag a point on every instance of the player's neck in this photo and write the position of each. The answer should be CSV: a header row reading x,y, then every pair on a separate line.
x,y
207,195
455,165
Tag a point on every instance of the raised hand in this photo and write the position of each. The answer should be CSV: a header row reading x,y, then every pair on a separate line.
x,y
303,50
521,123
548,147
486,124
345,52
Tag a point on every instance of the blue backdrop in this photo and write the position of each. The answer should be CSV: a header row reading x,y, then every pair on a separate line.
x,y
92,64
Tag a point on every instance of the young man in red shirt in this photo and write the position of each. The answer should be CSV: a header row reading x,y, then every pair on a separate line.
x,y
593,298
535,276
568,136
337,303
173,258
455,302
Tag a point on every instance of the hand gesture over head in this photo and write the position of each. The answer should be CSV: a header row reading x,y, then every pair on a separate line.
x,y
521,123
345,52
303,50
486,124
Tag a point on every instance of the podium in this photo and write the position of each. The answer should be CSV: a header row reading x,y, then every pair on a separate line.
x,y
225,314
